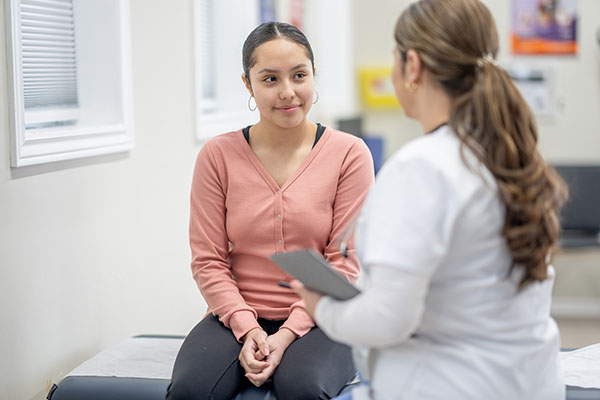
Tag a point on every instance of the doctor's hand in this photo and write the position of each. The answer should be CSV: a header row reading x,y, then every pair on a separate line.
x,y
310,297
254,352
278,344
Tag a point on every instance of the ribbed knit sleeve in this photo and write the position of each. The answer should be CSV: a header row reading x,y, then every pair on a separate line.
x,y
210,246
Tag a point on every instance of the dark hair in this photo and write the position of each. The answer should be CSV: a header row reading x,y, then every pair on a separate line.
x,y
268,31
457,42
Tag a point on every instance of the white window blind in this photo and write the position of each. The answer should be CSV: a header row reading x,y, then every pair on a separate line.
x,y
206,55
220,28
49,62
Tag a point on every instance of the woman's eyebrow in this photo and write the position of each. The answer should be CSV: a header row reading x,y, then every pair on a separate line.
x,y
273,71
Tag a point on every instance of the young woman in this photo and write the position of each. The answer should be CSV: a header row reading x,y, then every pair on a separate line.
x,y
456,235
283,184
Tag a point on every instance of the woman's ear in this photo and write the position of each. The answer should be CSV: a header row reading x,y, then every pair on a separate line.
x,y
247,84
413,67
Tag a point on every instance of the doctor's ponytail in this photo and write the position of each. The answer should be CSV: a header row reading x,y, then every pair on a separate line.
x,y
458,43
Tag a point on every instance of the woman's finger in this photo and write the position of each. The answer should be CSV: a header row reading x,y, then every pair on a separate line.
x,y
249,362
257,379
263,347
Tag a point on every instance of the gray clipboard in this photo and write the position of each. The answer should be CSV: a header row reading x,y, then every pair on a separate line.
x,y
311,268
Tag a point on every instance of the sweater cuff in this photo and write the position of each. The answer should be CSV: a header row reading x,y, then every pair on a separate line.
x,y
299,322
242,322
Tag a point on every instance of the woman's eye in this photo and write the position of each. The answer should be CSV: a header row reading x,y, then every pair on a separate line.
x,y
300,75
269,79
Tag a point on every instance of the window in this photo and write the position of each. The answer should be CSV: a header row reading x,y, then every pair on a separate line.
x,y
70,79
220,28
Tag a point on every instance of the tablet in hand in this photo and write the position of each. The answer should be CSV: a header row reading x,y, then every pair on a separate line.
x,y
311,268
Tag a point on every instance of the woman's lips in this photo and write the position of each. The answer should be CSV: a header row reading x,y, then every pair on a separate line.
x,y
288,109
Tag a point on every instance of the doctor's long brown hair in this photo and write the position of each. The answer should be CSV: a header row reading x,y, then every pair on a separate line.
x,y
457,42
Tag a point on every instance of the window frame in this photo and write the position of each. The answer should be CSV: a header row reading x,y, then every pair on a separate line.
x,y
30,146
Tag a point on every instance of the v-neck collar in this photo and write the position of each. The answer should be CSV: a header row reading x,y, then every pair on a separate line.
x,y
267,177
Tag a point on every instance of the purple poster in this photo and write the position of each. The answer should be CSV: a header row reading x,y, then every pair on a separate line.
x,y
544,26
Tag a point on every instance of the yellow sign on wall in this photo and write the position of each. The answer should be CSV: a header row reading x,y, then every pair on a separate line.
x,y
377,89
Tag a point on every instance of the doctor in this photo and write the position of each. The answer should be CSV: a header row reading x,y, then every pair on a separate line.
x,y
456,235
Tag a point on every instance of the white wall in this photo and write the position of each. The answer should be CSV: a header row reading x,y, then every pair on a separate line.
x,y
573,135
94,251
374,42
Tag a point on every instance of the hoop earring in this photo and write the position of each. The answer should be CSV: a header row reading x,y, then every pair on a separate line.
x,y
317,94
249,107
410,86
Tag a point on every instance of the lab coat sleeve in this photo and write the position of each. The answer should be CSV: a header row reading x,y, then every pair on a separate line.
x,y
387,313
408,221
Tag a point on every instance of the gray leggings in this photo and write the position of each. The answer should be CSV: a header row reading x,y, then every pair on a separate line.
x,y
207,366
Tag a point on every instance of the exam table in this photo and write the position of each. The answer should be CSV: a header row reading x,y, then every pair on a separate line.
x,y
140,369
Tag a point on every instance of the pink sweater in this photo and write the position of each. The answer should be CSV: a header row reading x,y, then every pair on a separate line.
x,y
240,216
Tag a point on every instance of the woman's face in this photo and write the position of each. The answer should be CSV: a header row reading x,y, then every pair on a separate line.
x,y
282,82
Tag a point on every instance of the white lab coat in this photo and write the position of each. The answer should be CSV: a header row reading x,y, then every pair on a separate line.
x,y
440,313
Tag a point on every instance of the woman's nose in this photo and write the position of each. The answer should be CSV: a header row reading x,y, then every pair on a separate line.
x,y
287,91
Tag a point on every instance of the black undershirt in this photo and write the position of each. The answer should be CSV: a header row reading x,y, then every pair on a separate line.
x,y
320,130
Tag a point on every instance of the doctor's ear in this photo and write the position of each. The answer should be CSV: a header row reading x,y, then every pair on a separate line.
x,y
246,81
412,66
